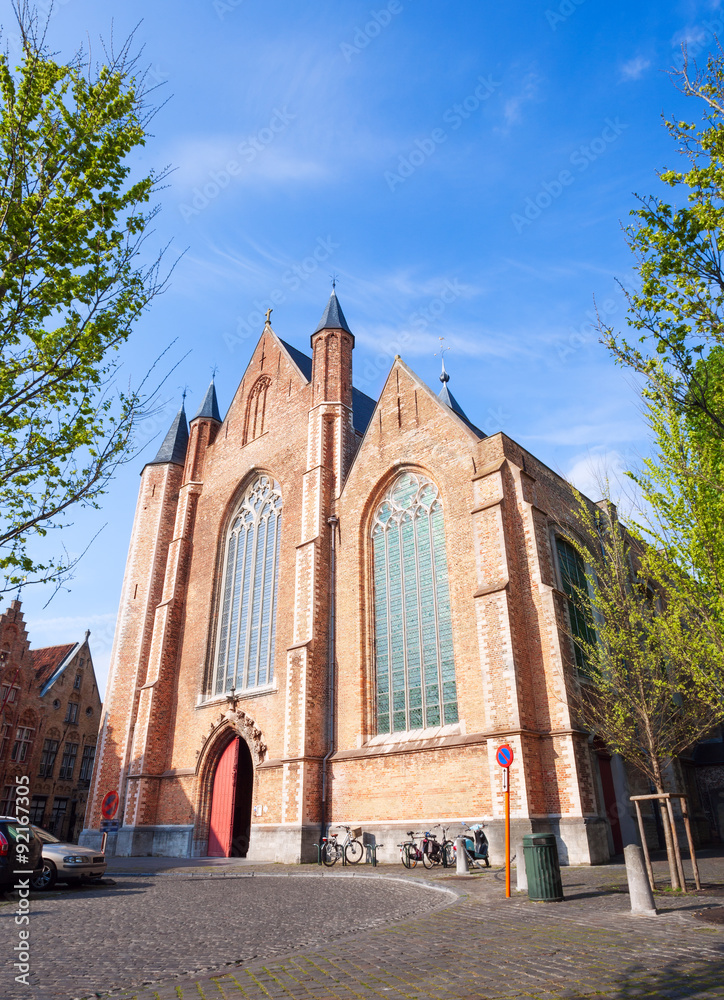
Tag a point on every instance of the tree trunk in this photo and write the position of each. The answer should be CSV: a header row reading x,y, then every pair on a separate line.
x,y
668,836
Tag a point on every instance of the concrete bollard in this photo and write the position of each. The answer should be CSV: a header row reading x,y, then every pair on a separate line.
x,y
520,872
462,859
642,899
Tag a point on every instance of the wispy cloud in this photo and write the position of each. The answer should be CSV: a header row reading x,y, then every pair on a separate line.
x,y
635,68
526,92
602,472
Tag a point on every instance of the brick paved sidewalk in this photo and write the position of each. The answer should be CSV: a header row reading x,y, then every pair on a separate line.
x,y
484,946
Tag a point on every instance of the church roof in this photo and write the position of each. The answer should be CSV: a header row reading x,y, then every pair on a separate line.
x,y
362,405
210,407
302,361
449,400
333,318
173,449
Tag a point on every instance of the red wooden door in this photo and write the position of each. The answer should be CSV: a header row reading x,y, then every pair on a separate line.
x,y
221,825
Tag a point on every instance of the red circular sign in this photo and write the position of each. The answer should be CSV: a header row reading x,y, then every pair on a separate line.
x,y
504,755
109,805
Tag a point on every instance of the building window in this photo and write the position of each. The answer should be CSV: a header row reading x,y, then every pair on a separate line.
x,y
37,809
245,657
57,816
47,758
21,747
414,660
76,682
575,586
7,801
256,409
71,714
86,764
4,740
8,695
67,765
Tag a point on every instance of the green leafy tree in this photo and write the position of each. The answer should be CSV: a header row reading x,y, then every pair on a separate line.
x,y
678,313
72,284
644,655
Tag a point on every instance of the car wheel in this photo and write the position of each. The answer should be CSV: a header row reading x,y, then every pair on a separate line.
x,y
47,878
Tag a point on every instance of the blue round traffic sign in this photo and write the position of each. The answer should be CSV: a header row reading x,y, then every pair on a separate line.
x,y
504,755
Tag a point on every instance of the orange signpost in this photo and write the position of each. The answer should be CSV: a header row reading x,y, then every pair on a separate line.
x,y
504,756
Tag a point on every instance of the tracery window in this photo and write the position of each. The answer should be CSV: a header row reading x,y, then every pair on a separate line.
x,y
245,647
573,578
256,409
414,660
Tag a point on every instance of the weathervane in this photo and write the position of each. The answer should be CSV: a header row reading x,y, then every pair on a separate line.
x,y
214,370
444,377
334,278
183,395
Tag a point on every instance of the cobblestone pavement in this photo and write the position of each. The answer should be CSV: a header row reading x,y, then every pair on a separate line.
x,y
146,928
289,937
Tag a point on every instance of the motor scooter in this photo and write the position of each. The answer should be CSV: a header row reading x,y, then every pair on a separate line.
x,y
476,846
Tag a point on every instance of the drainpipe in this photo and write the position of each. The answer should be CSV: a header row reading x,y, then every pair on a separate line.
x,y
331,651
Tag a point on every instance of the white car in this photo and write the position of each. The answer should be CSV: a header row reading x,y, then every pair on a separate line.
x,y
66,862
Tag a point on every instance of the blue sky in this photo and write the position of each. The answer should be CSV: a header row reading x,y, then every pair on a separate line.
x,y
465,169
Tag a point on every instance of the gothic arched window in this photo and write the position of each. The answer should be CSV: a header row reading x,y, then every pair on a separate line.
x,y
256,409
415,665
245,648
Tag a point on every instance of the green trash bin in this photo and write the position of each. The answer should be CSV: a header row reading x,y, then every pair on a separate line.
x,y
542,867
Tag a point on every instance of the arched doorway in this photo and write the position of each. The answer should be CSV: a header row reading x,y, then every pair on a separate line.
x,y
230,823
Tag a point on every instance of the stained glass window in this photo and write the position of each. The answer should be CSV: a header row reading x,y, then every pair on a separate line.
x,y
573,578
414,661
245,647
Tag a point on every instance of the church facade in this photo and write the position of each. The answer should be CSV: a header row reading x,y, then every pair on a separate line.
x,y
335,610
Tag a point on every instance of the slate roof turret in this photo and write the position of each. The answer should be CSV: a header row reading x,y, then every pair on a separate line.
x,y
173,448
333,317
209,409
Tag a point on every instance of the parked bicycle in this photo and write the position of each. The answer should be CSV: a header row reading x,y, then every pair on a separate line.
x,y
432,851
410,853
351,849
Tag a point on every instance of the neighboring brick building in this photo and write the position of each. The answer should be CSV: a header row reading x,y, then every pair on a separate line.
x,y
337,610
50,711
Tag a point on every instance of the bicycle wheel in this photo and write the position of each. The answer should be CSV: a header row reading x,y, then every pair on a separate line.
x,y
409,855
329,854
354,852
428,858
448,853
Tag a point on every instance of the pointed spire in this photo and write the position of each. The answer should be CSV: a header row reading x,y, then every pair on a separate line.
x,y
173,449
210,407
447,397
333,318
